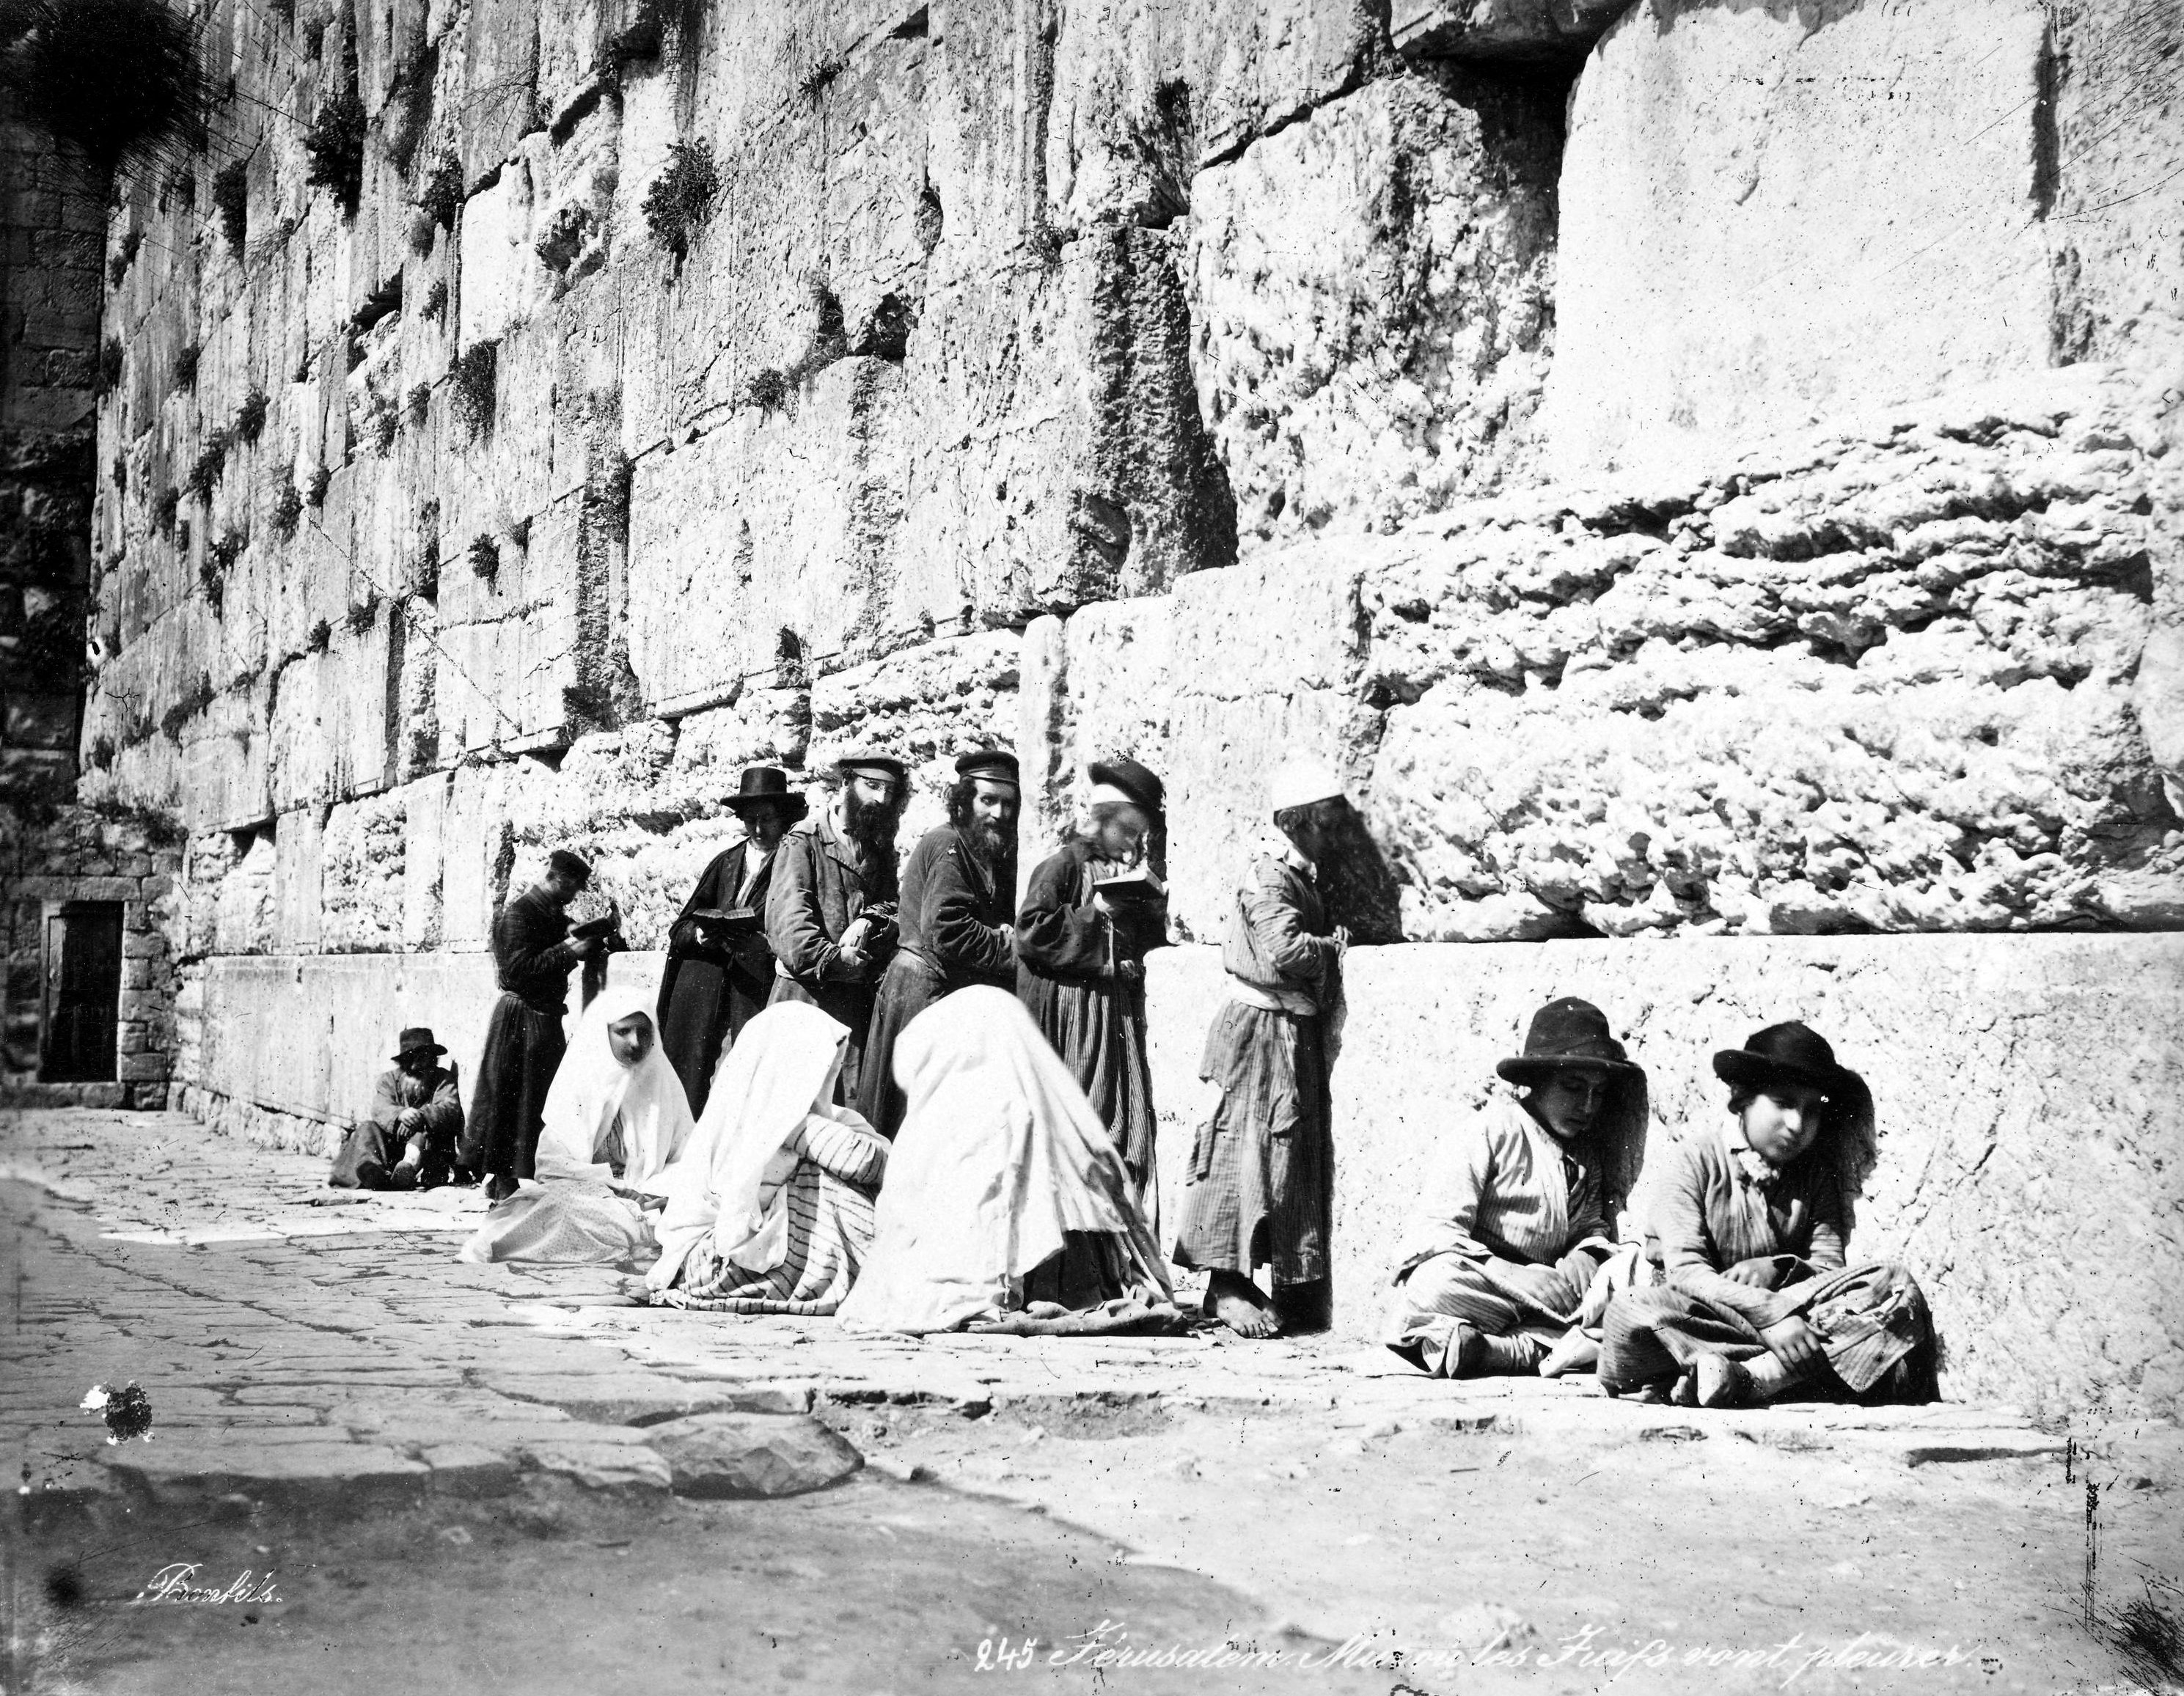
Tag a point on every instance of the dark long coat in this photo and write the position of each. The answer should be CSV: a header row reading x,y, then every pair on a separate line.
x,y
710,991
955,912
821,881
531,958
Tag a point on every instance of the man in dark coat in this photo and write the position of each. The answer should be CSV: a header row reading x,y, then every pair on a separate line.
x,y
1089,914
720,971
830,917
958,896
408,1139
532,956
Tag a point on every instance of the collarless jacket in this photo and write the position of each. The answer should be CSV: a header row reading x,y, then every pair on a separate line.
x,y
820,882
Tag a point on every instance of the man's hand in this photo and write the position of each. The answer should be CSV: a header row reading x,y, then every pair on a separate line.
x,y
1792,1342
1759,1272
588,948
1128,971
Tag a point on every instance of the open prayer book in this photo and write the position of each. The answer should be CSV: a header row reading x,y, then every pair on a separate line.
x,y
1140,886
739,920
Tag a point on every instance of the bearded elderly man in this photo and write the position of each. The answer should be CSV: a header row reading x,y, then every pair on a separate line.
x,y
1514,1223
958,899
830,917
1260,1187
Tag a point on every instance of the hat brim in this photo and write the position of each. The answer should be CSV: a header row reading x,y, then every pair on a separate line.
x,y
423,1049
794,805
1531,1068
1741,1069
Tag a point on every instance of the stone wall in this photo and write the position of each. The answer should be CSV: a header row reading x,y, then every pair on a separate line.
x,y
2022,1158
1703,468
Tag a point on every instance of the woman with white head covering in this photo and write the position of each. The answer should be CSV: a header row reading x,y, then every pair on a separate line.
x,y
1007,1205
615,1116
770,1208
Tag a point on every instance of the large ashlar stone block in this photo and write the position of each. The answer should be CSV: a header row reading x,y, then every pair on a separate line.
x,y
773,523
1518,29
1372,301
1099,684
362,881
1774,214
1884,682
1060,457
506,652
2024,1166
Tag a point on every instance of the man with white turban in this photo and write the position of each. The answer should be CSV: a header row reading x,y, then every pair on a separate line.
x,y
1007,1205
615,1117
1259,1189
770,1208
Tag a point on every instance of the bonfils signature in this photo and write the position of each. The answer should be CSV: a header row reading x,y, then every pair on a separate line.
x,y
171,1584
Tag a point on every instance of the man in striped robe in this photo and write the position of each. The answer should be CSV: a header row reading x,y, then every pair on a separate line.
x,y
1513,1223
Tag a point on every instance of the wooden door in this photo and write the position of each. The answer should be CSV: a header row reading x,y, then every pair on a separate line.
x,y
83,993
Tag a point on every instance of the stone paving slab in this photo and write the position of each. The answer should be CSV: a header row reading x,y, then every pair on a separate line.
x,y
323,1337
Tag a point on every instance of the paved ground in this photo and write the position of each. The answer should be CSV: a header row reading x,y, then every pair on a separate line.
x,y
442,1462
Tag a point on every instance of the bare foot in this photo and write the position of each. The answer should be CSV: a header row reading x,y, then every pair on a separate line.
x,y
1236,1301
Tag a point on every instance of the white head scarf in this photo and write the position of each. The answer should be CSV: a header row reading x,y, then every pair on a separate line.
x,y
592,1086
999,1154
779,1071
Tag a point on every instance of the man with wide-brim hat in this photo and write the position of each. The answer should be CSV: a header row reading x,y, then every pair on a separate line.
x,y
720,971
830,916
959,888
533,955
408,1139
1748,1233
1090,913
1514,1222
1260,1188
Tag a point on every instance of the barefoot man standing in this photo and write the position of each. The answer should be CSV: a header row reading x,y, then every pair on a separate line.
x,y
1260,1188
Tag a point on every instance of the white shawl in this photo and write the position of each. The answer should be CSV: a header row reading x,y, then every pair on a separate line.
x,y
778,1073
592,1088
999,1154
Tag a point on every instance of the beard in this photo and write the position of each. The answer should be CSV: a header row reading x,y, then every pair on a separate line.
x,y
870,827
994,845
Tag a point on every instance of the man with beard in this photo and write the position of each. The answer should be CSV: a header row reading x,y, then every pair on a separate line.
x,y
1090,912
532,956
720,971
830,914
958,896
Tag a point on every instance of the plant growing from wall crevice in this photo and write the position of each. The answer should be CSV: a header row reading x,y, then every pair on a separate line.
x,y
436,300
677,203
314,492
110,364
485,558
120,81
288,511
364,614
420,399
231,198
473,384
335,143
185,365
205,469
164,509
321,635
250,417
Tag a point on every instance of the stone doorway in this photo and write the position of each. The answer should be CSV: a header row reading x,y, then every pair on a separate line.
x,y
83,993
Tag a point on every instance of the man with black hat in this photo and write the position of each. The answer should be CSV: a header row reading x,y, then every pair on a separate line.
x,y
830,917
1089,914
1259,1189
1747,1228
958,896
720,971
408,1139
532,956
1514,1223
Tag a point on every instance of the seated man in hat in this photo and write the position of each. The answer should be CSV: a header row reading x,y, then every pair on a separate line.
x,y
1746,1228
1090,912
720,971
959,891
830,917
1259,1190
408,1139
1514,1223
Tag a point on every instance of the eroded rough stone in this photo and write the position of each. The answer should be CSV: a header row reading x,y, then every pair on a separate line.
x,y
600,1465
1372,301
1500,29
2020,1093
1759,228
725,1454
179,1468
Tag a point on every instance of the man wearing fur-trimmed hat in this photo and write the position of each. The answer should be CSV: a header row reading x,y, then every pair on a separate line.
x,y
1259,1191
1513,1223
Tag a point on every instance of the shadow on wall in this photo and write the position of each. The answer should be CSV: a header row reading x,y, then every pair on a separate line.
x,y
1358,885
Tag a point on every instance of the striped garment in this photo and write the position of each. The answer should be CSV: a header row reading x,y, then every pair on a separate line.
x,y
1448,1291
1505,1189
830,1233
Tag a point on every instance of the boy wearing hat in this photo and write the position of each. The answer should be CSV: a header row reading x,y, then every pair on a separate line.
x,y
958,899
1259,1190
720,971
532,956
1514,1224
1081,958
408,1139
830,914
1748,1234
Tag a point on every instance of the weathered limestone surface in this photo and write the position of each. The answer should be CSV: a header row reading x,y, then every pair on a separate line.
x,y
2025,1160
1516,30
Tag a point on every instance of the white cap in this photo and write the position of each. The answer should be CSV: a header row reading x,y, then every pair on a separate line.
x,y
1301,779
